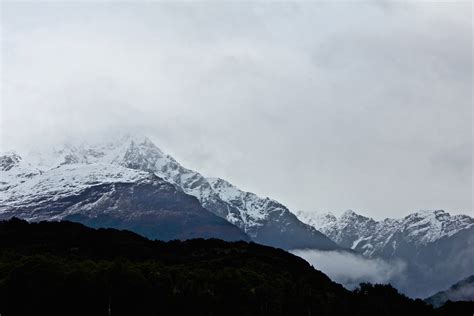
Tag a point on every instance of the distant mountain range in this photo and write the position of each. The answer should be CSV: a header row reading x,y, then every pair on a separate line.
x,y
128,182
461,291
437,247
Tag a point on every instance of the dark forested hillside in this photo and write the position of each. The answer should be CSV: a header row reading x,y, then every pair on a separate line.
x,y
461,291
64,268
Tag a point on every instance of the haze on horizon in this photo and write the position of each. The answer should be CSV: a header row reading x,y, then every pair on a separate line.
x,y
321,106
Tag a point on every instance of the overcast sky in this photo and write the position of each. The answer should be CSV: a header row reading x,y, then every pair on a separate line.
x,y
322,106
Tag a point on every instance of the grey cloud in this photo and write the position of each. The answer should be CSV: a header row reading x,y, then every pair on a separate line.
x,y
350,269
323,106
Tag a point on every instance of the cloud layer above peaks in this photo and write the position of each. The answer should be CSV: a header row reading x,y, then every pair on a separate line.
x,y
356,105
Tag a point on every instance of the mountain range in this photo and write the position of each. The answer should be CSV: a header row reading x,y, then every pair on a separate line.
x,y
438,248
102,195
128,182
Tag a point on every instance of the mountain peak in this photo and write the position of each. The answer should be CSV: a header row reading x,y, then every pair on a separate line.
x,y
113,149
134,138
349,213
428,213
9,160
314,219
132,157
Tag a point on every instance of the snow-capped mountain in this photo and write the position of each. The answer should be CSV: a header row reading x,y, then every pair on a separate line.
x,y
14,170
265,220
54,175
371,237
437,247
101,194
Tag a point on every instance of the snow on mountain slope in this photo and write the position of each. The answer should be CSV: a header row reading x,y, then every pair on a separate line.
x,y
263,219
87,187
14,171
438,248
66,180
131,158
370,237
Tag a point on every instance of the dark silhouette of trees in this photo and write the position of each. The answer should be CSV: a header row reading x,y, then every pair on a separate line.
x,y
64,268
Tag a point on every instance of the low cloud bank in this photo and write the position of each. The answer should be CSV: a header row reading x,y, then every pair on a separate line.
x,y
351,269
465,293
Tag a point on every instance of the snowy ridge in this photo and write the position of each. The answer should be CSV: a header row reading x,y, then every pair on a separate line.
x,y
252,209
246,210
68,169
371,237
436,247
66,180
14,171
100,185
